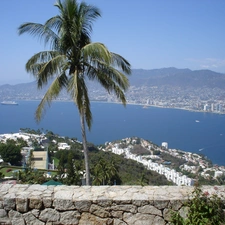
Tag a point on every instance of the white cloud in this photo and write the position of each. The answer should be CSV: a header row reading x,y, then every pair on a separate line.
x,y
208,63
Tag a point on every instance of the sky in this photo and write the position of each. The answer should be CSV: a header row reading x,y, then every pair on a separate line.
x,y
150,34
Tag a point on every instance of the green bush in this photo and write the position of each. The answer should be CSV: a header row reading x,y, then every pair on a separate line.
x,y
203,209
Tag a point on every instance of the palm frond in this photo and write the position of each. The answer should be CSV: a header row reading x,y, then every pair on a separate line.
x,y
121,63
118,77
88,14
103,72
96,52
112,87
41,57
79,93
45,65
42,32
52,92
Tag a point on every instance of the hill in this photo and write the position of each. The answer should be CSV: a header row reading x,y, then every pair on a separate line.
x,y
156,77
130,161
177,78
166,87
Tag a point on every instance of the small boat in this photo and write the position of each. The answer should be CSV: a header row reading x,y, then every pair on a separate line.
x,y
9,103
197,121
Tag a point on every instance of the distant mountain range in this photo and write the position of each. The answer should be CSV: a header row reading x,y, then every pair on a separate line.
x,y
178,78
173,77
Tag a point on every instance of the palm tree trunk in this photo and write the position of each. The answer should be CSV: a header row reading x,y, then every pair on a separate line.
x,y
86,158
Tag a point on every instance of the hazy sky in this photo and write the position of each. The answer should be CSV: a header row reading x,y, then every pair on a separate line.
x,y
150,34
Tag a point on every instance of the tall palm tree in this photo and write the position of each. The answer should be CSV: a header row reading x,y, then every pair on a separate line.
x,y
72,59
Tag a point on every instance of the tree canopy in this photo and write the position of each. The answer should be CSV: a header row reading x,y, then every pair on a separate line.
x,y
10,152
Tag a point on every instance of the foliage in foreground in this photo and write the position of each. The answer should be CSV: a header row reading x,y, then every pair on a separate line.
x,y
127,171
203,209
10,152
30,176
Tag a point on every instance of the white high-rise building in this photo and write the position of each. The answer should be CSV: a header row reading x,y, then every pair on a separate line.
x,y
212,107
206,107
165,145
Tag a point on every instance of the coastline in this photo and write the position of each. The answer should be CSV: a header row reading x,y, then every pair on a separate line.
x,y
126,122
145,106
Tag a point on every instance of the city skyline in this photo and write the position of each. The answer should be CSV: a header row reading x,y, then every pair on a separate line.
x,y
150,34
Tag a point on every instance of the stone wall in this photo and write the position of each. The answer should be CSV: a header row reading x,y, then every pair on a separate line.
x,y
94,205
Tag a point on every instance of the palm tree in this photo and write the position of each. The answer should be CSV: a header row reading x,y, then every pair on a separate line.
x,y
72,59
105,172
101,172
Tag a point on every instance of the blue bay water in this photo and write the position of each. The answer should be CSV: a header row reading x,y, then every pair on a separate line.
x,y
113,122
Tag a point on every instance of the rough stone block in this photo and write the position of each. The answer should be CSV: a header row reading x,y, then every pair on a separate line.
x,y
158,221
140,196
118,222
161,204
35,202
89,219
83,206
104,202
149,209
138,219
175,204
117,214
125,208
21,204
47,202
49,215
63,200
31,219
35,212
16,218
5,187
3,213
70,217
37,187
140,202
4,221
9,201
99,211
167,214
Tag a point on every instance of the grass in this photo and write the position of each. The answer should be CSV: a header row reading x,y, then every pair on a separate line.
x,y
7,171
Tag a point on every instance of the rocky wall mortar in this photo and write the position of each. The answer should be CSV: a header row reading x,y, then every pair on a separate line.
x,y
93,205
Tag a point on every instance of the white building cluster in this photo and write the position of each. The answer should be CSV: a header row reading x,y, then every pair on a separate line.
x,y
25,136
63,146
170,174
213,108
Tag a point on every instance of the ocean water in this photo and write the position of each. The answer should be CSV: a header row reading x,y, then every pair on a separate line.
x,y
113,122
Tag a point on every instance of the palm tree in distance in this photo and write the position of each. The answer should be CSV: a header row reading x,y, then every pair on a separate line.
x,y
72,59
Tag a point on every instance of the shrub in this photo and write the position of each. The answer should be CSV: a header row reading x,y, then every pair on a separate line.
x,y
203,209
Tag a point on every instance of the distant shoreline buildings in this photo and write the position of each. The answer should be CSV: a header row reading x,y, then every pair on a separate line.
x,y
165,88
